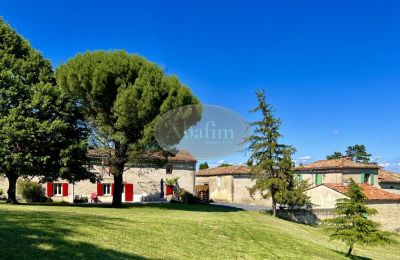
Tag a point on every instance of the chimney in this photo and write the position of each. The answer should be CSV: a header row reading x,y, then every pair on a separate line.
x,y
348,158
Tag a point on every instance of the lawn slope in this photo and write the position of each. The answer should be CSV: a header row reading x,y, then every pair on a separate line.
x,y
166,231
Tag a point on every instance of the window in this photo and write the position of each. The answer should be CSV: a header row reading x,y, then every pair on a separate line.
x,y
169,169
318,179
57,189
298,178
106,189
365,178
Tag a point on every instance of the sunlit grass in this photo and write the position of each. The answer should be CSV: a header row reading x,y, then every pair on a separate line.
x,y
162,231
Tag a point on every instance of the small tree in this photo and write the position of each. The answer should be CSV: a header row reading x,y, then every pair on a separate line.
x,y
270,162
335,155
352,225
203,166
225,165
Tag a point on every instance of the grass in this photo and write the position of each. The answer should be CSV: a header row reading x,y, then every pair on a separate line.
x,y
165,231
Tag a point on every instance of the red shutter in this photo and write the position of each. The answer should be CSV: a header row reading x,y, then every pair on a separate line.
x,y
99,189
129,192
112,189
49,189
65,189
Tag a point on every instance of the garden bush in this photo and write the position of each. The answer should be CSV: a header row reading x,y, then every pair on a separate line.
x,y
31,191
188,198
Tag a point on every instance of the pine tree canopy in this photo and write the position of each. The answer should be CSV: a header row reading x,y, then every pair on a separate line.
x,y
352,225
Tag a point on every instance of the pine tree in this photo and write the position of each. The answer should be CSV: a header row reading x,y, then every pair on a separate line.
x,y
270,162
123,96
352,225
358,153
335,155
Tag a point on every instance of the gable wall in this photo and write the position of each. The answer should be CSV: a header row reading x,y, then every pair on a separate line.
x,y
323,197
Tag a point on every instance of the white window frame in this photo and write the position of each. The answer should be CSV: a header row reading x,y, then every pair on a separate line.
x,y
57,189
106,191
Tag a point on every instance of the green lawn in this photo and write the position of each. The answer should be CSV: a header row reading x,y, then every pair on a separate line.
x,y
162,231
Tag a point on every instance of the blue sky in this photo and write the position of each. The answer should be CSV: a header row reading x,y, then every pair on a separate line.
x,y
331,69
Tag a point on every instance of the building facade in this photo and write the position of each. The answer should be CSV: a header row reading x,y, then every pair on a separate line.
x,y
230,184
338,171
144,181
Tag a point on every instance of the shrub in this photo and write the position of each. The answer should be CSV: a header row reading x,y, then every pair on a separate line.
x,y
31,191
188,198
172,181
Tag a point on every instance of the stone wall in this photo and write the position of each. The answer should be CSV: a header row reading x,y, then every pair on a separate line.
x,y
220,187
242,195
388,215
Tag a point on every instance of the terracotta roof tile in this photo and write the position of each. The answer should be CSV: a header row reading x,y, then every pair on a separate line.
x,y
387,176
226,170
181,156
342,163
372,193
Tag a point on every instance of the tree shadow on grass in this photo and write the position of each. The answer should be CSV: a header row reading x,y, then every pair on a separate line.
x,y
42,235
166,206
354,257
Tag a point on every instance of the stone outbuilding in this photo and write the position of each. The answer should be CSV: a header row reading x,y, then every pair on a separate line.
x,y
230,184
389,181
324,197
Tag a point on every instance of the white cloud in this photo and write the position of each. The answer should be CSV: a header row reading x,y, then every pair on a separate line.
x,y
384,164
304,158
335,132
220,161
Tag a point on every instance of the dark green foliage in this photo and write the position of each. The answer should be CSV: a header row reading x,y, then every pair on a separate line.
x,y
203,166
31,191
335,155
188,198
358,153
294,195
41,132
122,96
271,163
352,225
224,165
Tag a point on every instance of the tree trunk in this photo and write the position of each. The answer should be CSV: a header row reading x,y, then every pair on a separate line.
x,y
117,197
273,207
12,189
119,165
350,250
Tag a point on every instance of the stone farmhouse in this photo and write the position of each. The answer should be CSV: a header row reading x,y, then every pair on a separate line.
x,y
330,180
230,184
142,181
